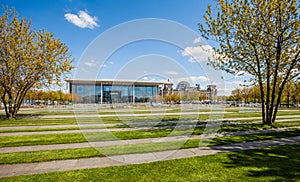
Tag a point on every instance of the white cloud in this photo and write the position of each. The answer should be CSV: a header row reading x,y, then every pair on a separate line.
x,y
103,66
192,79
82,20
198,53
199,79
111,62
171,73
234,84
90,63
242,73
145,78
197,40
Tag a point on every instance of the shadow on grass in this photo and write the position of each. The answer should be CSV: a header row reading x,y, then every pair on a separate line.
x,y
279,162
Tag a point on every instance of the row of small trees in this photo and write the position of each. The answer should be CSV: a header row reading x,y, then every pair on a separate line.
x,y
290,94
177,98
40,96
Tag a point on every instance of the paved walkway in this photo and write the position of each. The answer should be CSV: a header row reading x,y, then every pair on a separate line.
x,y
134,141
119,160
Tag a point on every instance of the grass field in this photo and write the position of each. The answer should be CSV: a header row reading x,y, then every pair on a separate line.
x,y
49,155
43,139
103,118
267,164
279,163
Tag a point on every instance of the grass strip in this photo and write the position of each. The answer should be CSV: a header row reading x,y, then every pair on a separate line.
x,y
46,139
37,121
117,119
50,155
62,128
225,127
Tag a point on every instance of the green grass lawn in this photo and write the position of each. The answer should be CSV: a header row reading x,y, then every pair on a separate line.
x,y
104,120
37,121
270,164
280,163
123,119
49,155
62,128
44,139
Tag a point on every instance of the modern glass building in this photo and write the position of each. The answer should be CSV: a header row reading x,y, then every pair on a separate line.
x,y
114,91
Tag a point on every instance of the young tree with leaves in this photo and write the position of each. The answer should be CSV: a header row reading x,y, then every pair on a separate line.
x,y
260,38
29,59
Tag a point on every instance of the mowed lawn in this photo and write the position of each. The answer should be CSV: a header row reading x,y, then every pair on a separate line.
x,y
279,163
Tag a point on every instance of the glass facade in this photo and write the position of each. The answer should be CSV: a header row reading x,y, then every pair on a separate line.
x,y
107,94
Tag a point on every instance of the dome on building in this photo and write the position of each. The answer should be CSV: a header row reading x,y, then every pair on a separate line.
x,y
183,85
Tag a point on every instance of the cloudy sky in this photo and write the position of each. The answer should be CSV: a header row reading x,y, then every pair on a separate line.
x,y
93,28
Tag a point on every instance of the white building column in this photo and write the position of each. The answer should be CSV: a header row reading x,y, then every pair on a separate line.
x,y
101,93
133,94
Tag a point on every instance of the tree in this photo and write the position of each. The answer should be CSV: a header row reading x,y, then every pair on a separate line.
x,y
195,96
202,97
186,97
236,94
291,93
260,38
175,98
167,98
29,59
68,97
255,93
246,92
62,97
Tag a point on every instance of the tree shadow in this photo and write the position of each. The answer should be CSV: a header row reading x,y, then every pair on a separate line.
x,y
281,162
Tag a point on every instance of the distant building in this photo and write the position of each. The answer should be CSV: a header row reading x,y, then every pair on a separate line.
x,y
114,91
207,95
127,91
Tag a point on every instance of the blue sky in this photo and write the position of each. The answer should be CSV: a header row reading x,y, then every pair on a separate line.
x,y
79,23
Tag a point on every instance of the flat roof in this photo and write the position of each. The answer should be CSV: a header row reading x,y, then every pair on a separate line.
x,y
115,82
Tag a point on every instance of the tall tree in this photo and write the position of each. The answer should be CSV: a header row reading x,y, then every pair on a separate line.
x,y
28,59
258,37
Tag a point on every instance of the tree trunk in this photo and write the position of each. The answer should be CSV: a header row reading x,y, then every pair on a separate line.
x,y
263,108
10,110
271,115
288,99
